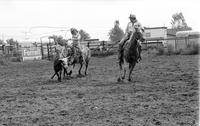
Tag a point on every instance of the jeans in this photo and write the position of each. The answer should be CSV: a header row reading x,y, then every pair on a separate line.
x,y
121,44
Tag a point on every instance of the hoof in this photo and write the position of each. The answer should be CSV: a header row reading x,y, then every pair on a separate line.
x,y
119,79
70,73
123,78
129,79
80,75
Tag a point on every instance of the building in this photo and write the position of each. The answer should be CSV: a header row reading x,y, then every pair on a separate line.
x,y
171,33
155,36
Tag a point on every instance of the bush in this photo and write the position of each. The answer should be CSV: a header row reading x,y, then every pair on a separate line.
x,y
170,49
15,59
160,50
3,60
156,50
190,50
17,53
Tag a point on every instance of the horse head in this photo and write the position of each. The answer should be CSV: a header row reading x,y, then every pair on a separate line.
x,y
137,35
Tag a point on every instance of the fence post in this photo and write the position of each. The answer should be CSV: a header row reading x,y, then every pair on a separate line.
x,y
175,43
146,44
104,45
42,51
3,49
88,44
51,51
48,51
186,41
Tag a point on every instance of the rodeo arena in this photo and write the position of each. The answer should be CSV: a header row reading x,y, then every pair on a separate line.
x,y
43,84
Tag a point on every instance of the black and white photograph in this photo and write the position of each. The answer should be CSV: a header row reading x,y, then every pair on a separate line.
x,y
99,62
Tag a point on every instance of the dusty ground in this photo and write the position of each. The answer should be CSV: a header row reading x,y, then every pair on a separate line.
x,y
164,92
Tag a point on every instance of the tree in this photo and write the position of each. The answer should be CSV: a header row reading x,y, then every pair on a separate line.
x,y
178,22
116,33
58,40
54,37
84,35
12,42
1,42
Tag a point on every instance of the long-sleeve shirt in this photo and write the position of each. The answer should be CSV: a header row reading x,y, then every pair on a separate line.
x,y
131,27
76,40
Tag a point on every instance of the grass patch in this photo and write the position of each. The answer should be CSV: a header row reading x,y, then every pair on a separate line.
x,y
190,50
3,60
102,53
160,50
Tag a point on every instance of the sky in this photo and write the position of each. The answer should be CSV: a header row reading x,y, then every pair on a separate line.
x,y
32,20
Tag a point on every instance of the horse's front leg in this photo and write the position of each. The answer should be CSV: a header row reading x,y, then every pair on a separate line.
x,y
131,66
122,71
124,75
60,74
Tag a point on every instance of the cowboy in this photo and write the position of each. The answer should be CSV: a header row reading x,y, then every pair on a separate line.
x,y
76,47
131,27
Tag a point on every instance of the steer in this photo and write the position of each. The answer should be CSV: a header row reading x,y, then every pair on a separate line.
x,y
59,65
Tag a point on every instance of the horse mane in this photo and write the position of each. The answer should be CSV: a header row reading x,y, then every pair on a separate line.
x,y
133,40
130,49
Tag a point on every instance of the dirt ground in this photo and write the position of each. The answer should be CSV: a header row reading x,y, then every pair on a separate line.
x,y
164,92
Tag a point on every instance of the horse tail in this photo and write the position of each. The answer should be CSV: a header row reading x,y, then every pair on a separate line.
x,y
89,53
87,58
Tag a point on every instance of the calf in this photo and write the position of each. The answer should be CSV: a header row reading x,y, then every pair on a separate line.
x,y
59,65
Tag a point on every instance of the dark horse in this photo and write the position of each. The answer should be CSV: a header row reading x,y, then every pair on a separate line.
x,y
130,54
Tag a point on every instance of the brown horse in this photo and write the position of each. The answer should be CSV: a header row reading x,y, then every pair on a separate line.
x,y
130,54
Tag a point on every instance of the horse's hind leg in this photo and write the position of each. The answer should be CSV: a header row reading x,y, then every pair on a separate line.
x,y
59,75
131,66
86,66
79,71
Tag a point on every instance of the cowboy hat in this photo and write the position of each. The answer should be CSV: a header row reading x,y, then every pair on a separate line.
x,y
132,16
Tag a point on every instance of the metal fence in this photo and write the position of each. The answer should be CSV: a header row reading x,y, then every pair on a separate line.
x,y
174,43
